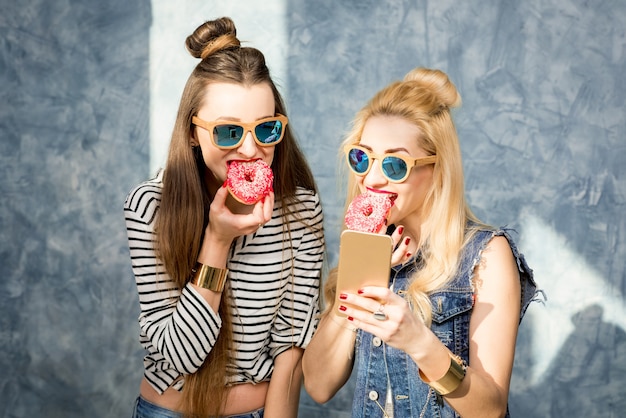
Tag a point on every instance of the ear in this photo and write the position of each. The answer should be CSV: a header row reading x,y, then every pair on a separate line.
x,y
193,141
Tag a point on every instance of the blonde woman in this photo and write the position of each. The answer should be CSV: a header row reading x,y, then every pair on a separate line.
x,y
228,291
439,341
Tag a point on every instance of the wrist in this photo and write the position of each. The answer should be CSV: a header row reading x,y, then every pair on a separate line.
x,y
207,277
451,380
214,251
215,240
341,321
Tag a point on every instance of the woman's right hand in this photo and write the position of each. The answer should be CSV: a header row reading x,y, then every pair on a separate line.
x,y
224,225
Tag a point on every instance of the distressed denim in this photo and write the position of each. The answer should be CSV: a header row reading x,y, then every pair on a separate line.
x,y
145,409
379,364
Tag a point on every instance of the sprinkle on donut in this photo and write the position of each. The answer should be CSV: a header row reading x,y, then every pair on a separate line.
x,y
368,211
249,181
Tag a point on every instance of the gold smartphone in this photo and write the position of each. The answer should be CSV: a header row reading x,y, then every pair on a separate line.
x,y
364,260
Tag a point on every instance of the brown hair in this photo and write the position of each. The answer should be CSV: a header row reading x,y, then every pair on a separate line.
x,y
424,98
184,209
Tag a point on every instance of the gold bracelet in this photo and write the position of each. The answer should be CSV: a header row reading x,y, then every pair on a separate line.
x,y
451,380
208,277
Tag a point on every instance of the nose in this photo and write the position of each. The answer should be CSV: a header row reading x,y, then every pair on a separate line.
x,y
375,178
248,147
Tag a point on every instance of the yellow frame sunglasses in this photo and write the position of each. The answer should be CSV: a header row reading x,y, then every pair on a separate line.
x,y
395,167
227,134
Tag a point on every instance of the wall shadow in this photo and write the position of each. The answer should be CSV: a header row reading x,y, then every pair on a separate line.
x,y
587,375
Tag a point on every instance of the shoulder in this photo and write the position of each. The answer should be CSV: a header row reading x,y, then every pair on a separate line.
x,y
496,261
496,272
491,250
307,197
143,200
485,240
528,285
305,201
498,249
496,276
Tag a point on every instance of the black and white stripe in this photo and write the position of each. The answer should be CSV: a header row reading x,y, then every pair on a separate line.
x,y
274,284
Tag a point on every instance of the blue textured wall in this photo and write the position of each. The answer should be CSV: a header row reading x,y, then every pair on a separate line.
x,y
73,140
543,135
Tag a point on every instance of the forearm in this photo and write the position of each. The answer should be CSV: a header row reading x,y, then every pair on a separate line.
x,y
477,395
183,332
172,319
283,395
213,253
332,346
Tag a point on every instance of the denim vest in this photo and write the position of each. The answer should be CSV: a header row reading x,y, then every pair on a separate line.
x,y
452,307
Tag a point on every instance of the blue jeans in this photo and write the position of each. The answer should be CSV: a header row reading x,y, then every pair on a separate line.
x,y
145,409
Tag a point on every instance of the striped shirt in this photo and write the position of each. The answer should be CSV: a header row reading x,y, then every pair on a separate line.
x,y
274,283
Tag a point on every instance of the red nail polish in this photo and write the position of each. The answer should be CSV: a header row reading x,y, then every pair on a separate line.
x,y
360,291
407,240
408,255
400,230
343,296
350,318
342,308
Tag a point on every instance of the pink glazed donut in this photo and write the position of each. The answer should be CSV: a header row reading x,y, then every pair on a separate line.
x,y
368,211
249,181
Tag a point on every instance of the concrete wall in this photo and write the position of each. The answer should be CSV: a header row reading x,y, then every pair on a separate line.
x,y
85,92
543,136
74,104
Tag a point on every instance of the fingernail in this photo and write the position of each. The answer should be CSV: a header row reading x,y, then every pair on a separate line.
x,y
408,255
407,240
343,296
350,318
400,230
342,308
360,291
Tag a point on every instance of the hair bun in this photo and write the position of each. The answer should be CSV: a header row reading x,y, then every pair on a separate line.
x,y
437,83
211,37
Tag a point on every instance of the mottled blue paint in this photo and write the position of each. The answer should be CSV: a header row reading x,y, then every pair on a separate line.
x,y
73,139
542,129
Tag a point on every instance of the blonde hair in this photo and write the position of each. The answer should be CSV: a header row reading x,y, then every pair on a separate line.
x,y
424,97
185,201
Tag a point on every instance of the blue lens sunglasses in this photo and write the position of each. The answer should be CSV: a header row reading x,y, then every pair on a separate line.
x,y
395,167
266,132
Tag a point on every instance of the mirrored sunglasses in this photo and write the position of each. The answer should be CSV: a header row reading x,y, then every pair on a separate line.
x,y
228,134
395,167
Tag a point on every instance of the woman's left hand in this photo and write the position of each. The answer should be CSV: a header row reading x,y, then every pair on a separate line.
x,y
402,245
